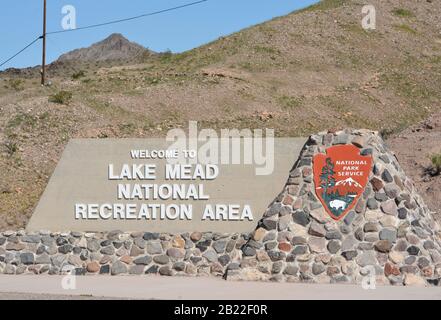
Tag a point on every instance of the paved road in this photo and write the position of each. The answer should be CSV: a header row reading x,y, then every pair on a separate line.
x,y
33,296
156,287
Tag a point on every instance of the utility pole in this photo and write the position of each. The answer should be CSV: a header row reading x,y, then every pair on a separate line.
x,y
43,64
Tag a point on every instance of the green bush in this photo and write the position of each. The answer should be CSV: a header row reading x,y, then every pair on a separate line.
x,y
62,97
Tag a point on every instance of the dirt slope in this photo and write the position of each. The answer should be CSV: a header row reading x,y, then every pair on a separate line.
x,y
414,148
299,74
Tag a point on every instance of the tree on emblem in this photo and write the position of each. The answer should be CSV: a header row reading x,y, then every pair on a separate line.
x,y
327,179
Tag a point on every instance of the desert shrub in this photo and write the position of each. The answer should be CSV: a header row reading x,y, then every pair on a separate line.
x,y
23,120
402,12
405,28
127,128
11,148
16,84
266,50
325,5
62,97
436,163
290,102
152,80
386,133
165,56
78,75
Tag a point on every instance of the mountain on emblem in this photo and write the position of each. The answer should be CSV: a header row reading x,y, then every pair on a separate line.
x,y
350,182
340,177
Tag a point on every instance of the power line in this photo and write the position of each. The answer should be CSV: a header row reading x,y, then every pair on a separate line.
x,y
105,24
130,18
16,54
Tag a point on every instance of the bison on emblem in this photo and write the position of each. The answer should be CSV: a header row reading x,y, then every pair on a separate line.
x,y
338,204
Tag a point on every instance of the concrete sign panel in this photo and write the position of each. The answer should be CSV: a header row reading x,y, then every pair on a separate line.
x,y
161,186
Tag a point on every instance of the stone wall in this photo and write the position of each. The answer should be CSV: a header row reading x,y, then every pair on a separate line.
x,y
119,253
390,230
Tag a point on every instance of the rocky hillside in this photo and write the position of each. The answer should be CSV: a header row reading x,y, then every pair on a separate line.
x,y
302,73
115,50
114,47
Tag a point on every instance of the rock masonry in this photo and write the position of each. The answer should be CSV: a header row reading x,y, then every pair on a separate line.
x,y
390,234
119,253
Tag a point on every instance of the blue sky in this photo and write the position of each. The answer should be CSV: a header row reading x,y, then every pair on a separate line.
x,y
181,30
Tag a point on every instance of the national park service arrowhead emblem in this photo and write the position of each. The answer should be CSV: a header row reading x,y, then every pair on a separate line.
x,y
340,177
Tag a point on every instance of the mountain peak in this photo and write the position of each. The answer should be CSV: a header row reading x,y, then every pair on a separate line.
x,y
115,38
114,47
